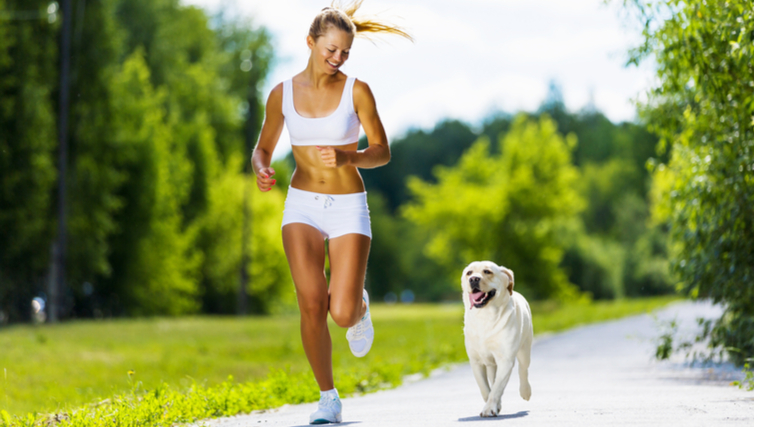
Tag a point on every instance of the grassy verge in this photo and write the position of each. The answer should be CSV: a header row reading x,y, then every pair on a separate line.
x,y
167,371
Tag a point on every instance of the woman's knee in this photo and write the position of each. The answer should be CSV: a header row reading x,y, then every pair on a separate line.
x,y
313,308
345,315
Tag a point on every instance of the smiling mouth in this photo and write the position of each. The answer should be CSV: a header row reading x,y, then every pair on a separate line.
x,y
333,65
479,298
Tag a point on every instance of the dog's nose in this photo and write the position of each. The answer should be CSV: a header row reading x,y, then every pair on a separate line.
x,y
474,281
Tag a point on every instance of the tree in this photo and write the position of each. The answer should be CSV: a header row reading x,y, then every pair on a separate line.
x,y
154,262
703,110
221,238
510,208
416,154
95,158
27,143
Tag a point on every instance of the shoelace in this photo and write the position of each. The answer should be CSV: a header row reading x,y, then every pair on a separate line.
x,y
327,401
358,329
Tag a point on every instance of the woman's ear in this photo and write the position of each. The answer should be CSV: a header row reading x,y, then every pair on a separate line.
x,y
511,276
310,42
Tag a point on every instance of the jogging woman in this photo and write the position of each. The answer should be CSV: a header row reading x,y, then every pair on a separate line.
x,y
323,110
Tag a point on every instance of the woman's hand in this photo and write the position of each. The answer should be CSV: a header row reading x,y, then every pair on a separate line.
x,y
333,157
264,179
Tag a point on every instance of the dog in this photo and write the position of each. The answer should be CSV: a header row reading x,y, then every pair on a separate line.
x,y
498,330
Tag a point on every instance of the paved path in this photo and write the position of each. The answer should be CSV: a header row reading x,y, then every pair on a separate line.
x,y
599,375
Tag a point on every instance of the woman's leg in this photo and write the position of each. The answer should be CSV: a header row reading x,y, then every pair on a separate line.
x,y
305,249
348,264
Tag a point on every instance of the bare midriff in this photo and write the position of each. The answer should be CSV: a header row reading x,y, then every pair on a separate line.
x,y
311,174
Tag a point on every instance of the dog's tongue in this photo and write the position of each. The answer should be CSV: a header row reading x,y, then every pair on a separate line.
x,y
475,297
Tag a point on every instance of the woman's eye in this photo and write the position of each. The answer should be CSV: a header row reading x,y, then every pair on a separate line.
x,y
331,50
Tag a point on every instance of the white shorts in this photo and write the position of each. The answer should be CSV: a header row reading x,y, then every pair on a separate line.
x,y
332,214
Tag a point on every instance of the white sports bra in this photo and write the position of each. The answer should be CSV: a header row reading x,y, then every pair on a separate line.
x,y
339,128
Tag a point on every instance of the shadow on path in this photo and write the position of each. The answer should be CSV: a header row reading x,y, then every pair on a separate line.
x,y
500,417
344,423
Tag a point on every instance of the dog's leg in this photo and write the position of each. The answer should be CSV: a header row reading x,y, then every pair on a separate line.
x,y
491,380
491,369
493,403
523,359
480,377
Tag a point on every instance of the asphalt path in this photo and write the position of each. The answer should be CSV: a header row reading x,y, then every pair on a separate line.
x,y
599,375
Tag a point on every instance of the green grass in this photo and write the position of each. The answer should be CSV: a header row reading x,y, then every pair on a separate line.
x,y
58,368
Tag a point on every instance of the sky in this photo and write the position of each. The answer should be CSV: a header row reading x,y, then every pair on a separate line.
x,y
470,59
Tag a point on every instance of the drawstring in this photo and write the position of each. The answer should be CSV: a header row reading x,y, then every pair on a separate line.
x,y
328,200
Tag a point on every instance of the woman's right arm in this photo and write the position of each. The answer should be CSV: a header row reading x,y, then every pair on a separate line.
x,y
270,134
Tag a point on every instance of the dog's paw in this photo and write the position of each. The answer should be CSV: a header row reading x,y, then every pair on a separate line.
x,y
525,391
490,410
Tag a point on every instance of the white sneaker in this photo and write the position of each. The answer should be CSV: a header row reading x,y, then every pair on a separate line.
x,y
360,335
328,411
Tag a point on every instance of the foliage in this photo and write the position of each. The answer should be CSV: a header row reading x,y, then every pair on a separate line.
x,y
94,168
163,97
153,251
417,154
508,207
27,165
698,347
749,375
596,265
223,258
703,110
74,366
614,183
396,263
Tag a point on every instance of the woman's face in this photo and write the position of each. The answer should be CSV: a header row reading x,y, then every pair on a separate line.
x,y
331,49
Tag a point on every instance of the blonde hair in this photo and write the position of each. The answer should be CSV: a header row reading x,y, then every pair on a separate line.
x,y
342,17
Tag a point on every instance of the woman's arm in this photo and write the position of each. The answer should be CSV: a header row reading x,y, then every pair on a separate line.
x,y
378,152
270,134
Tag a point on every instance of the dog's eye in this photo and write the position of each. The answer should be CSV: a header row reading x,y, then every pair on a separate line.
x,y
487,271
469,272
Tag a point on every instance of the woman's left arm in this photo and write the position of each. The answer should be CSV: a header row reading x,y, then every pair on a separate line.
x,y
377,152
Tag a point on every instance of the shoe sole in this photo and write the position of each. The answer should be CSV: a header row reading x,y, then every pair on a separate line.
x,y
324,421
364,353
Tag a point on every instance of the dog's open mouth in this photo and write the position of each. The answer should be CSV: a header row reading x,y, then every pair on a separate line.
x,y
479,298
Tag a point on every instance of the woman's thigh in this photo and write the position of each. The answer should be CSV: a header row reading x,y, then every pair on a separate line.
x,y
305,250
348,265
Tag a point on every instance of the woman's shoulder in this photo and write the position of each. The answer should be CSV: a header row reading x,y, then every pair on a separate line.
x,y
360,85
274,100
362,92
276,91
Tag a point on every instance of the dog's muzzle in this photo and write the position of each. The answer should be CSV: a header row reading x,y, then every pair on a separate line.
x,y
478,298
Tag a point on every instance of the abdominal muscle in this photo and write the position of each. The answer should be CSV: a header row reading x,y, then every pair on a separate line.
x,y
311,174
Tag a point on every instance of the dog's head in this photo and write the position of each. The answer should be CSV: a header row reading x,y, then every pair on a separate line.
x,y
483,280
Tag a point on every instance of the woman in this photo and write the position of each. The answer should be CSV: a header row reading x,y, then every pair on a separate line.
x,y
323,109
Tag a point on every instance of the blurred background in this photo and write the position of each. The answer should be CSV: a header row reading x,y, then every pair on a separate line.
x,y
555,138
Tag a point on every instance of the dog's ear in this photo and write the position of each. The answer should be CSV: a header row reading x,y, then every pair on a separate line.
x,y
511,276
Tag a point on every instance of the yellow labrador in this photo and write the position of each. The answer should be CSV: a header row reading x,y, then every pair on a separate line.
x,y
497,331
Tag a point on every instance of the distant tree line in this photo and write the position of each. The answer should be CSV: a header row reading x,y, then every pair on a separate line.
x,y
560,197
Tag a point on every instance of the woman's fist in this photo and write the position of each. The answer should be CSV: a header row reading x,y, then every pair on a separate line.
x,y
264,179
332,157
